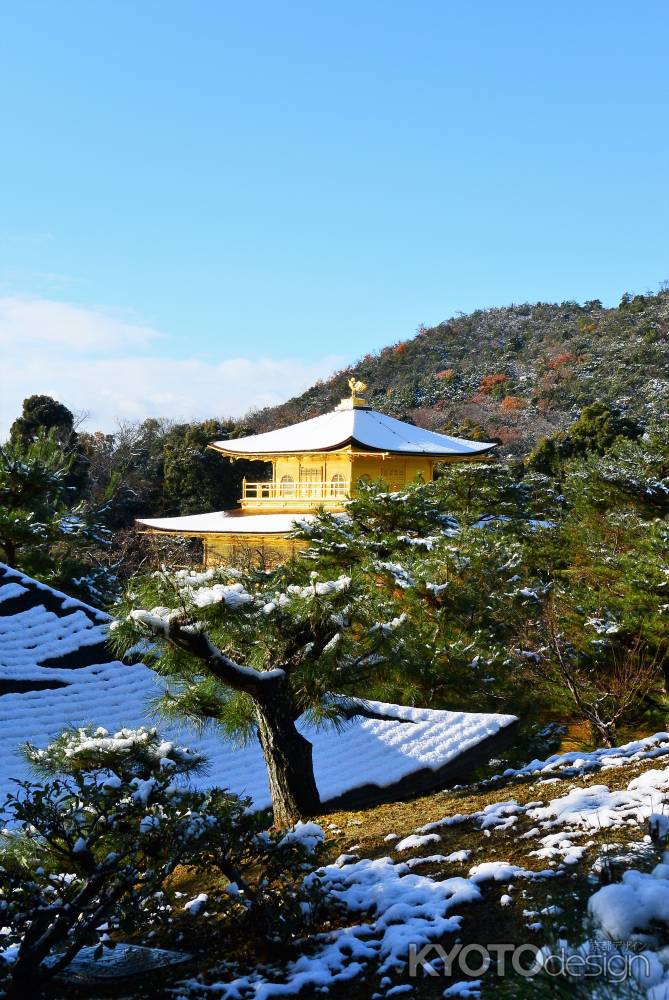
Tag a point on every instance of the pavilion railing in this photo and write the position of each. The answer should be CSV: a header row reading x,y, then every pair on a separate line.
x,y
314,491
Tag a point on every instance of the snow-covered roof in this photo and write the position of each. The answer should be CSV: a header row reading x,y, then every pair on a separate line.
x,y
227,522
49,639
359,427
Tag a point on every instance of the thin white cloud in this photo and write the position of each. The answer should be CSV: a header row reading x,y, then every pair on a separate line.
x,y
47,321
96,363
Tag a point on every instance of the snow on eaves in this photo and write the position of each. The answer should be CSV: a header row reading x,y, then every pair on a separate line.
x,y
228,522
362,427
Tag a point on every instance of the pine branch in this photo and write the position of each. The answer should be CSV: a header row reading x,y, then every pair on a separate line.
x,y
196,642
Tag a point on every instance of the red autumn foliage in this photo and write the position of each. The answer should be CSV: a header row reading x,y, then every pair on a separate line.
x,y
511,403
446,374
491,382
561,359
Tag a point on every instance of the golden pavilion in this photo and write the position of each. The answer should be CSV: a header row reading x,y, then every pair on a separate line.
x,y
316,463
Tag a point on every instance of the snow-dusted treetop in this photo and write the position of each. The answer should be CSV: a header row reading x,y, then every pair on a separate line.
x,y
364,428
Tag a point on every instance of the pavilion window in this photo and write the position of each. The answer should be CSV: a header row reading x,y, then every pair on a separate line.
x,y
310,476
337,485
287,486
394,474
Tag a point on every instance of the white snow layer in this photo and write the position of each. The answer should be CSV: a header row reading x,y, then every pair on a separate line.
x,y
113,695
576,762
633,904
229,522
395,907
357,426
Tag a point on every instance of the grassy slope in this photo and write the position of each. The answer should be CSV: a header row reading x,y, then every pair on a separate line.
x,y
362,833
515,373
488,921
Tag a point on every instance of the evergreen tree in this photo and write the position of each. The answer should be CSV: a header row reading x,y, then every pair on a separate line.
x,y
44,530
36,502
255,652
438,593
598,427
636,472
43,416
197,478
395,599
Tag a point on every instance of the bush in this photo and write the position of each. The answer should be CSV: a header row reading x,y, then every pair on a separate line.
x,y
493,385
512,403
566,357
91,849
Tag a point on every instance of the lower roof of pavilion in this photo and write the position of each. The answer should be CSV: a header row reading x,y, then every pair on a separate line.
x,y
227,522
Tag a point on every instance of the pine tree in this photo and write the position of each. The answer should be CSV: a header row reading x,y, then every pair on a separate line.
x,y
43,416
254,653
36,502
45,531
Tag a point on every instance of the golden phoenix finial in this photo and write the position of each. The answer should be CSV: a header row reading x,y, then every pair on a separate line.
x,y
356,386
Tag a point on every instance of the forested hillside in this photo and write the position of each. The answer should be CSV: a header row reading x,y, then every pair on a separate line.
x,y
578,376
531,590
512,374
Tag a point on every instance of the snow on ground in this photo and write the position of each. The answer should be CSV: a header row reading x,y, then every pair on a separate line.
x,y
632,905
110,694
634,913
388,903
399,909
590,808
577,762
414,841
504,871
596,806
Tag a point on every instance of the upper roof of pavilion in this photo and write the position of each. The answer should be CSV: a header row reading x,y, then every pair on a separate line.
x,y
352,424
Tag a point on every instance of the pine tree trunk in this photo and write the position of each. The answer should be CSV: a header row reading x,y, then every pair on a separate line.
x,y
10,552
288,758
24,983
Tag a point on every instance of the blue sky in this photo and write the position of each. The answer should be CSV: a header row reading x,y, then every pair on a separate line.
x,y
206,205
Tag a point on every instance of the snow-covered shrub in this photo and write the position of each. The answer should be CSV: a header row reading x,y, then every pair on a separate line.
x,y
90,852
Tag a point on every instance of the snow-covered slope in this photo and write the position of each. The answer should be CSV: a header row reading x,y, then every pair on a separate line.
x,y
55,672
